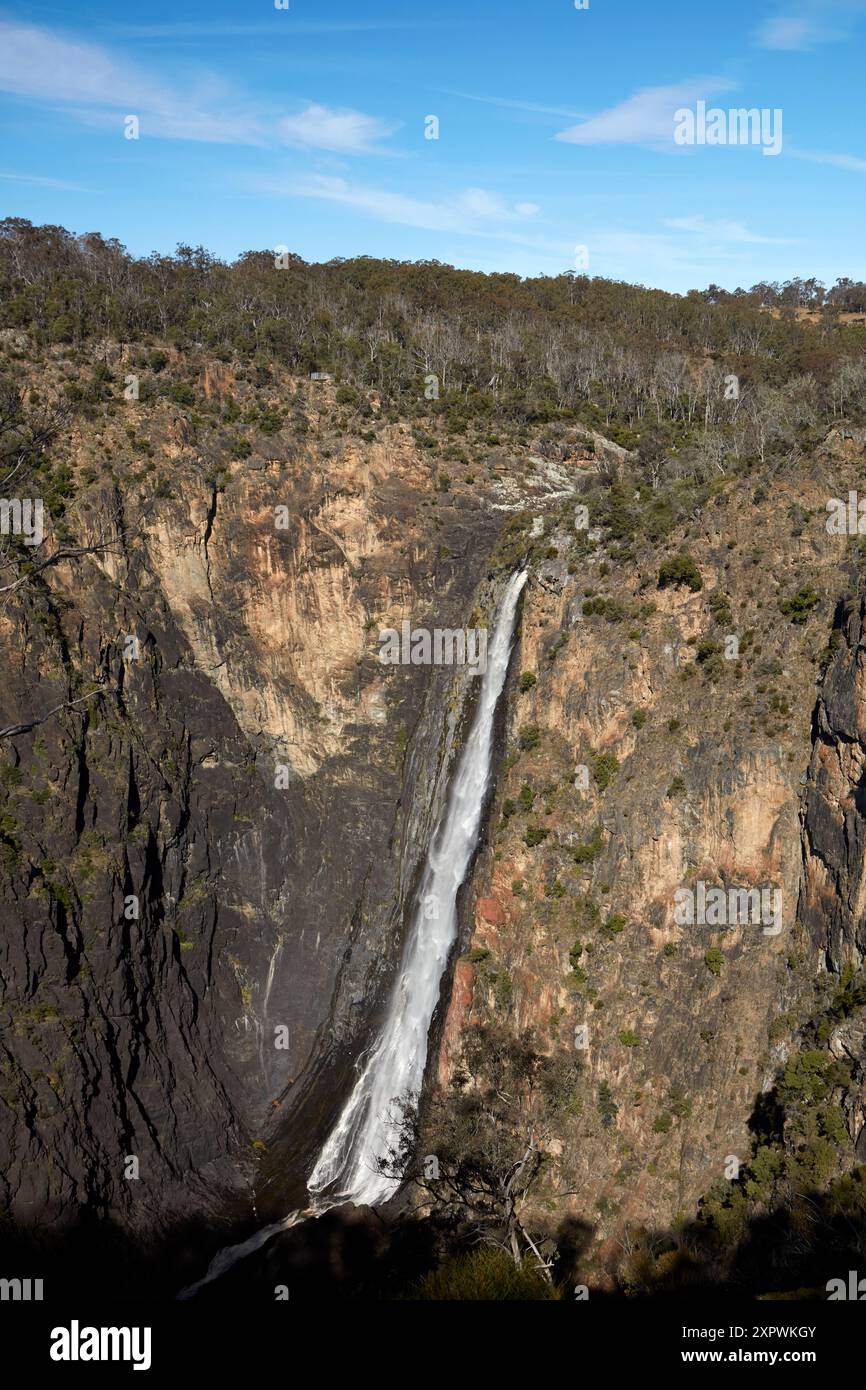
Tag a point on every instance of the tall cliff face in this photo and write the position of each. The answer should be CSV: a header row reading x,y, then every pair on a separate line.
x,y
207,859
651,759
834,839
834,833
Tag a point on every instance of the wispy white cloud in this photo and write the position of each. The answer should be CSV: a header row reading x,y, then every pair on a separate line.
x,y
647,117
97,87
839,161
41,182
692,247
514,105
36,63
721,230
809,24
691,254
474,211
791,33
48,67
199,29
340,131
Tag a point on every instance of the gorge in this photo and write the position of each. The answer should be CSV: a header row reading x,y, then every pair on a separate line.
x,y
195,721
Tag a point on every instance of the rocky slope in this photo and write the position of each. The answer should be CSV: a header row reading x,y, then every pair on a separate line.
x,y
643,761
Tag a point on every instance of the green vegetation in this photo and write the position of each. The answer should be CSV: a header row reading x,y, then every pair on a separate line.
x,y
799,605
587,852
605,766
526,797
614,925
485,1276
679,1105
720,607
507,348
609,608
607,1106
503,991
681,568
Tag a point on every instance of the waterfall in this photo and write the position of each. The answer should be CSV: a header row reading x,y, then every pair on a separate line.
x,y
393,1072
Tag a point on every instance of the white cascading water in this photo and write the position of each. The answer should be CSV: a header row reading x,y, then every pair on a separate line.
x,y
367,1130
368,1127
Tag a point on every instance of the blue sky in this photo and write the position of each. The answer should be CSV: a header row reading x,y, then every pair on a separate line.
x,y
305,128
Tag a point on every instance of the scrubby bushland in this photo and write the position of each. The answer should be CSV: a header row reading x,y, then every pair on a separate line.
x,y
651,368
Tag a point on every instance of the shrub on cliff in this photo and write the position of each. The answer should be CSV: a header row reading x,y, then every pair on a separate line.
x,y
485,1276
605,766
720,607
270,421
799,605
613,926
181,393
588,851
535,834
709,656
604,607
607,1106
681,568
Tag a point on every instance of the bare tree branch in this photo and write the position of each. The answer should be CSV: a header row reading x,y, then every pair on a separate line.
x,y
12,729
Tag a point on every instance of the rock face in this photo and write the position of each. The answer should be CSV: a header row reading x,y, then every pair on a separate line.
x,y
639,772
208,851
834,830
834,843
208,862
